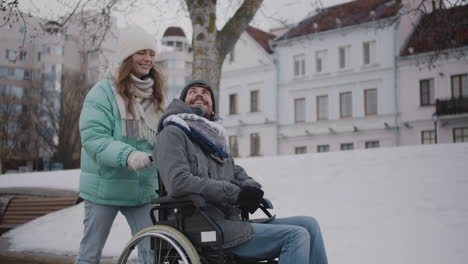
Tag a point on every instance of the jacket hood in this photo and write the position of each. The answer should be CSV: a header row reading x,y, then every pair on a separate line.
x,y
177,106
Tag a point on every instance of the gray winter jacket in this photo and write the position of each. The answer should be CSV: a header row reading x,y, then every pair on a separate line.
x,y
186,169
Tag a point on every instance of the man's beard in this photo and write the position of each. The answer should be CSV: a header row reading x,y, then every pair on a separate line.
x,y
205,114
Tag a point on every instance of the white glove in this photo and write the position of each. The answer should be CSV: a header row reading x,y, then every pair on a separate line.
x,y
138,160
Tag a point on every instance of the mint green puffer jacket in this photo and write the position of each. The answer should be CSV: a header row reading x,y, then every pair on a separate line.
x,y
105,177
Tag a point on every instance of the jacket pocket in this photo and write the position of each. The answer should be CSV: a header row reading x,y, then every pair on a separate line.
x,y
119,190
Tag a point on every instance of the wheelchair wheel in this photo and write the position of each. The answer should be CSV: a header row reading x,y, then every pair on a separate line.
x,y
170,246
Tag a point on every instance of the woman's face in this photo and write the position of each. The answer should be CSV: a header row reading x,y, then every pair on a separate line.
x,y
142,62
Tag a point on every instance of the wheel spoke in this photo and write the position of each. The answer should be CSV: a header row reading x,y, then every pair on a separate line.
x,y
159,253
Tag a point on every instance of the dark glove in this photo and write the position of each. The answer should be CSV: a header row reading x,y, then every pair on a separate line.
x,y
249,198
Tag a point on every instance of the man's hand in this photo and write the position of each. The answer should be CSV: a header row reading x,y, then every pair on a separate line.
x,y
249,198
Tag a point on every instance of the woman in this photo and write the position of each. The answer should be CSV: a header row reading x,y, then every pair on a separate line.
x,y
118,127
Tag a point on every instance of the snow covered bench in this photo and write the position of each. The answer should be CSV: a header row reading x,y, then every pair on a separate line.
x,y
20,210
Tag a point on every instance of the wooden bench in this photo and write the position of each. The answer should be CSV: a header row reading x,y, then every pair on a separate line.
x,y
20,210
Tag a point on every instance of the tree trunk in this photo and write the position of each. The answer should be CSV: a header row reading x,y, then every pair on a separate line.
x,y
210,46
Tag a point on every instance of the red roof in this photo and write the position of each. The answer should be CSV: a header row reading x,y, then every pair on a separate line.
x,y
348,14
439,30
174,31
261,37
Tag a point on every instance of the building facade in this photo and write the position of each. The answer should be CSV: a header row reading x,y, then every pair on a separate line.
x,y
434,97
248,98
337,85
54,63
339,80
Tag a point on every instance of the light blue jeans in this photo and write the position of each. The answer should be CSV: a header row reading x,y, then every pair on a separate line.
x,y
98,219
295,240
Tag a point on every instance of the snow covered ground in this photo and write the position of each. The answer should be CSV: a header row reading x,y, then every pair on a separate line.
x,y
379,206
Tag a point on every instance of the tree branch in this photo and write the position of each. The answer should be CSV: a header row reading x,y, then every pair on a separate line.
x,y
233,29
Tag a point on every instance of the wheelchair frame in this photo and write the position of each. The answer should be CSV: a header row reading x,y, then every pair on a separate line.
x,y
175,241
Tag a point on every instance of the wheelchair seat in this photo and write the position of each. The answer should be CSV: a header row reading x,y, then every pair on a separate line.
x,y
187,214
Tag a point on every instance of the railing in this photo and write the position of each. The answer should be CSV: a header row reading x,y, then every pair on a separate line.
x,y
452,106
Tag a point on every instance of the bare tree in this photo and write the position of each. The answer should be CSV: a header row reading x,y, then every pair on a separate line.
x,y
58,116
16,135
94,16
210,45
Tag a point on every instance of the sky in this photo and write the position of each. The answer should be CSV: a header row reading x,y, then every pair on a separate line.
x,y
157,17
385,206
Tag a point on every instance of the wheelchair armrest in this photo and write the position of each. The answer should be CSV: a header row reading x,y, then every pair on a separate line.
x,y
196,199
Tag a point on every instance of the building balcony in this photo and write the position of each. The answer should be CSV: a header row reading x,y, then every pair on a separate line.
x,y
452,106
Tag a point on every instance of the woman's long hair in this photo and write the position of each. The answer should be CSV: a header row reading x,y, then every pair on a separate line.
x,y
124,81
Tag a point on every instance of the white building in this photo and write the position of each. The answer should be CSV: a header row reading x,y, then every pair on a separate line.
x,y
248,101
175,60
434,98
337,79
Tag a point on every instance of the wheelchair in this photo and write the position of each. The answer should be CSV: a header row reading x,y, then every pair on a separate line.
x,y
186,234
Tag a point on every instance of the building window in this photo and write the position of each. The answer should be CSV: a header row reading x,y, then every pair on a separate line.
x,y
347,146
93,56
322,107
254,101
370,101
323,148
426,92
9,54
179,46
233,146
460,134
26,75
346,107
428,137
299,110
343,57
320,57
368,49
22,55
254,144
3,72
300,150
233,104
299,65
372,144
39,56
53,49
460,85
11,90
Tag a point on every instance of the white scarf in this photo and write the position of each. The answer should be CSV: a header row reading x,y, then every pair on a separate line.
x,y
143,124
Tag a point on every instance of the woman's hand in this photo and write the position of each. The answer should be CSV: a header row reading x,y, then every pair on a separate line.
x,y
138,160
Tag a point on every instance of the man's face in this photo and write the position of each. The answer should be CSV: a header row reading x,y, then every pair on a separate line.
x,y
200,97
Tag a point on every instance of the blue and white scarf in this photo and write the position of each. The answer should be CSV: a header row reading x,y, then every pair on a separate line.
x,y
210,135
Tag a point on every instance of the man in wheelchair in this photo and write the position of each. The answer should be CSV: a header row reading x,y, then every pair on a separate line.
x,y
192,157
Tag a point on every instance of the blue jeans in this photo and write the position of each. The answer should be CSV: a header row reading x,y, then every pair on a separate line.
x,y
98,221
295,240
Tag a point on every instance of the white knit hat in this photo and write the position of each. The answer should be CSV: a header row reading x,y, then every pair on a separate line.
x,y
132,40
